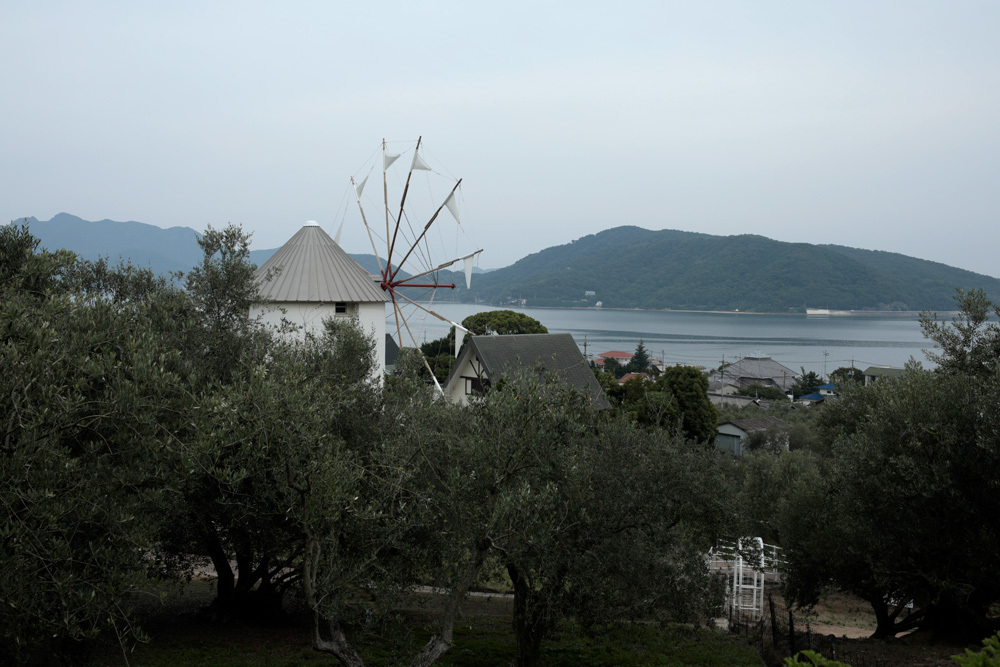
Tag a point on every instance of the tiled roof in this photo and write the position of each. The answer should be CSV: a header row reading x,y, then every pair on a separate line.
x,y
314,268
885,371
557,353
391,350
758,424
615,354
749,369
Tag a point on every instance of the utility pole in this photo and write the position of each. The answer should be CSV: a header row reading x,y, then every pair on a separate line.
x,y
825,355
585,355
722,389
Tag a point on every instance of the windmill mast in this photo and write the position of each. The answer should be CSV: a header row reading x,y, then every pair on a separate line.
x,y
385,197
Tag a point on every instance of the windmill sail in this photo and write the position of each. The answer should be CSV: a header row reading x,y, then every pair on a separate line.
x,y
468,271
418,163
360,187
452,205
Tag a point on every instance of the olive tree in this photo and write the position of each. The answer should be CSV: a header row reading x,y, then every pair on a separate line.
x,y
911,496
594,519
89,398
620,520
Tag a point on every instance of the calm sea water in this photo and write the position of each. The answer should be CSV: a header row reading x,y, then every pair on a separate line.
x,y
819,344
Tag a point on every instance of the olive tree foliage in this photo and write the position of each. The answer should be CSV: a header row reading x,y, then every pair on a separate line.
x,y
262,401
345,494
913,489
26,272
795,500
397,511
435,492
676,402
590,519
773,440
915,472
619,524
284,419
222,290
503,323
89,398
846,374
970,344
770,483
145,427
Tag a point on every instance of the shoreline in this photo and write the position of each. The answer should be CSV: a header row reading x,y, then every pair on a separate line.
x,y
914,314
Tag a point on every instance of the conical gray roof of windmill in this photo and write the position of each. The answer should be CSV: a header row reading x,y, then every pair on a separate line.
x,y
313,268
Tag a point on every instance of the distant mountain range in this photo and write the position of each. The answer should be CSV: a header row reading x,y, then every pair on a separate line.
x,y
162,250
624,267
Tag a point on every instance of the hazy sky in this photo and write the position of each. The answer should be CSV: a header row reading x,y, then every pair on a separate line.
x,y
870,124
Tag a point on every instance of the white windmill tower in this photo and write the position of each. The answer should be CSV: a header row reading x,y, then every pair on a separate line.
x,y
312,279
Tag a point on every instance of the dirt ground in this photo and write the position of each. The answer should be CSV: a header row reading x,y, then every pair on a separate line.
x,y
840,626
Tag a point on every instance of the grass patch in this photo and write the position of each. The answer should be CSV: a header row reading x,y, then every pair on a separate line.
x,y
479,641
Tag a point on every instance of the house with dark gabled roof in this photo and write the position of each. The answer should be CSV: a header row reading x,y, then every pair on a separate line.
x,y
311,279
485,359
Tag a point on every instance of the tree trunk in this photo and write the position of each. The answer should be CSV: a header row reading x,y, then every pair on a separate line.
x,y
235,595
886,625
337,644
530,626
954,620
440,643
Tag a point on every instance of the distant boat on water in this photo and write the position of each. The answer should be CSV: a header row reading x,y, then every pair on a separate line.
x,y
827,312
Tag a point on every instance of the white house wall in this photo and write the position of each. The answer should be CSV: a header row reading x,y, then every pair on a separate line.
x,y
371,317
455,392
308,316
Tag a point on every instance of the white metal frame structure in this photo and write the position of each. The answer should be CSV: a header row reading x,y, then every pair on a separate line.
x,y
748,565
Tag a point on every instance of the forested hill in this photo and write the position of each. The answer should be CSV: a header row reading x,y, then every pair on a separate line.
x,y
630,267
